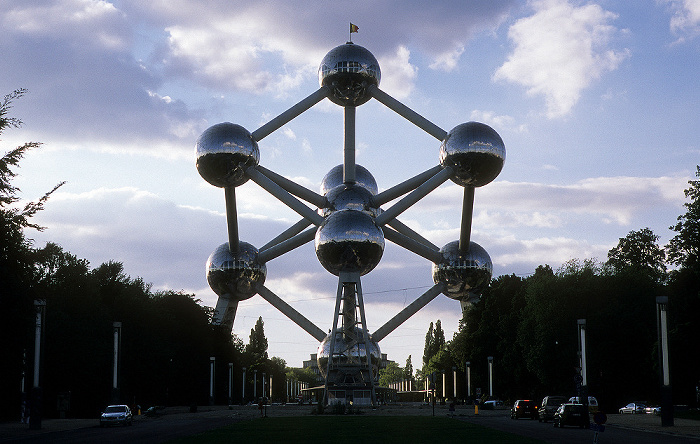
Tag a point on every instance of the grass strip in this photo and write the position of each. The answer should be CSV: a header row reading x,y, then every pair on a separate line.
x,y
354,429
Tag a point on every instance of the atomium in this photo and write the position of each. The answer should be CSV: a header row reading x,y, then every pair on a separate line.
x,y
235,275
349,220
223,152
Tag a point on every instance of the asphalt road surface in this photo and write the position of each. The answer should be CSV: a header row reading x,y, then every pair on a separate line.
x,y
621,429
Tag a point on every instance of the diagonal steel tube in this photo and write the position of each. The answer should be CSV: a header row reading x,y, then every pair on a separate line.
x,y
407,231
411,245
291,313
284,196
404,187
393,323
407,113
287,234
294,188
286,246
416,195
287,116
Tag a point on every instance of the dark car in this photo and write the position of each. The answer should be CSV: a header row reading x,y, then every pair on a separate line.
x,y
524,408
572,415
115,415
550,404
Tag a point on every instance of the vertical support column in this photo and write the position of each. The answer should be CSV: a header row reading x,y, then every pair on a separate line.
x,y
212,365
255,385
36,396
270,395
116,352
243,388
231,218
466,226
665,376
349,146
490,359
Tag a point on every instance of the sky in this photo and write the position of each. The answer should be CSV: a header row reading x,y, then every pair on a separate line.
x,y
597,103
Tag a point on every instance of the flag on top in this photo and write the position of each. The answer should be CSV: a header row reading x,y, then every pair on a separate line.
x,y
353,28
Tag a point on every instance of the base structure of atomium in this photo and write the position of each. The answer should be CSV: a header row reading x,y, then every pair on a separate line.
x,y
346,221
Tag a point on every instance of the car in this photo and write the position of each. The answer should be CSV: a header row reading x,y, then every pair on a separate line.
x,y
653,410
633,407
549,405
492,404
524,408
573,415
116,415
592,403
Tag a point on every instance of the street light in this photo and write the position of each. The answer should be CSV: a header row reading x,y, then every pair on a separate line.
x,y
490,359
662,329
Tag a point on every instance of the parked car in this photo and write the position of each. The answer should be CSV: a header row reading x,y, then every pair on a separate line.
x,y
524,408
573,415
592,403
116,415
653,410
492,404
633,407
549,405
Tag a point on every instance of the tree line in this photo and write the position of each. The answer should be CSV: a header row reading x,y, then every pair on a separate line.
x,y
529,325
167,337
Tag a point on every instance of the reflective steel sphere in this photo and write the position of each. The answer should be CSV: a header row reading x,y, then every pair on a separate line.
x,y
348,70
348,351
235,275
466,274
350,197
475,152
334,178
350,241
224,151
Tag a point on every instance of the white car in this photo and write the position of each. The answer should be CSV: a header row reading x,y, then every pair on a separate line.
x,y
115,415
633,407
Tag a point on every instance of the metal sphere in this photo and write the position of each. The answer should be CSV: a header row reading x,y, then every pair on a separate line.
x,y
350,241
466,274
363,178
350,197
348,70
475,152
224,151
347,351
235,275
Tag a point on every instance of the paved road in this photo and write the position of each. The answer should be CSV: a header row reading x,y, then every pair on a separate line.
x,y
621,429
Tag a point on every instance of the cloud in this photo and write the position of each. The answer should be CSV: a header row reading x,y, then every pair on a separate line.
x,y
559,51
685,20
398,74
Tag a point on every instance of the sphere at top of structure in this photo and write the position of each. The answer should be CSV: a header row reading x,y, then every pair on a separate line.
x,y
475,152
334,178
348,70
349,197
349,241
349,349
235,275
466,274
224,151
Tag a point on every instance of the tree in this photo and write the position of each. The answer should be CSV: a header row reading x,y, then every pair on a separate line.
x,y
17,293
390,374
408,369
639,251
684,247
257,343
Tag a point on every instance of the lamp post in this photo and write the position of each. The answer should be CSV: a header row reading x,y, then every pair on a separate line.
x,y
662,329
212,365
117,334
490,359
230,383
35,405
454,383
469,379
583,390
243,388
